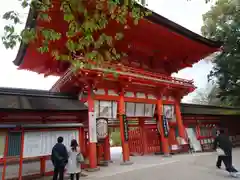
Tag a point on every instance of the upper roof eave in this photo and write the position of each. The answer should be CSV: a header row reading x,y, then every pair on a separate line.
x,y
155,18
30,23
160,20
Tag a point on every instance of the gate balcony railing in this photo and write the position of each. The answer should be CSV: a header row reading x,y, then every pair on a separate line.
x,y
158,75
139,73
130,72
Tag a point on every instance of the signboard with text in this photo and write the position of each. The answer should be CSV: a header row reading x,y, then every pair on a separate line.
x,y
92,127
165,126
125,126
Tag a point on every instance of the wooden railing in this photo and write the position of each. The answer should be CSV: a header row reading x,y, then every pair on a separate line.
x,y
154,75
138,73
127,71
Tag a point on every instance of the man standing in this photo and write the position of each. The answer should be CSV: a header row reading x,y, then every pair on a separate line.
x,y
222,141
59,159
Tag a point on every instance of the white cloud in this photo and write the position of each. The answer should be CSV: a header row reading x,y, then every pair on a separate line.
x,y
188,14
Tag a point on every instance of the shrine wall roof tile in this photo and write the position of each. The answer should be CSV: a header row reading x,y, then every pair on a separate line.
x,y
38,100
196,109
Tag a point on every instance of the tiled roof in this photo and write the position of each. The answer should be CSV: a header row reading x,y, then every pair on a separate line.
x,y
195,109
26,99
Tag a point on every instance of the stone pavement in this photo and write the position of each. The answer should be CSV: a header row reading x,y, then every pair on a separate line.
x,y
179,167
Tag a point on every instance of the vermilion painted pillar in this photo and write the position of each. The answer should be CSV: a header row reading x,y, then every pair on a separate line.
x,y
5,157
21,156
197,131
181,127
92,132
42,166
125,147
99,153
81,138
171,136
144,139
164,140
107,156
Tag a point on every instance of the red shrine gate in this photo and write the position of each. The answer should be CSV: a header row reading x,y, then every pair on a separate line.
x,y
144,81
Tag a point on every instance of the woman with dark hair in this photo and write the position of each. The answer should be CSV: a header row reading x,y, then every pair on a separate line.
x,y
74,166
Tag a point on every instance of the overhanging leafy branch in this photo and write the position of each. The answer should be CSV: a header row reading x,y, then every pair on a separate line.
x,y
87,43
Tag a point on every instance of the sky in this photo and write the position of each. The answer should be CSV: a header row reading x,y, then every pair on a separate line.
x,y
183,12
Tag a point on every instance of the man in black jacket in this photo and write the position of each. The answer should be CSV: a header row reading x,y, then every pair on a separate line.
x,y
59,159
222,141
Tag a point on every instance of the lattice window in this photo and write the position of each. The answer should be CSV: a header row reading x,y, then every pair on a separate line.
x,y
100,92
106,109
139,109
14,144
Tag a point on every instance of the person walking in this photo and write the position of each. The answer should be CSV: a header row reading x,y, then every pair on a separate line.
x,y
74,164
59,159
219,161
223,142
220,157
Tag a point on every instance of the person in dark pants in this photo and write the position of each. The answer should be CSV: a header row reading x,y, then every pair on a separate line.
x,y
59,159
222,141
219,161
220,157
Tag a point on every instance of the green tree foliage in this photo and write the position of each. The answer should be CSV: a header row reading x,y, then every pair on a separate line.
x,y
87,45
115,137
222,23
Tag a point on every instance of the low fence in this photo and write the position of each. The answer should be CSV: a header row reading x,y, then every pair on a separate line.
x,y
32,168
